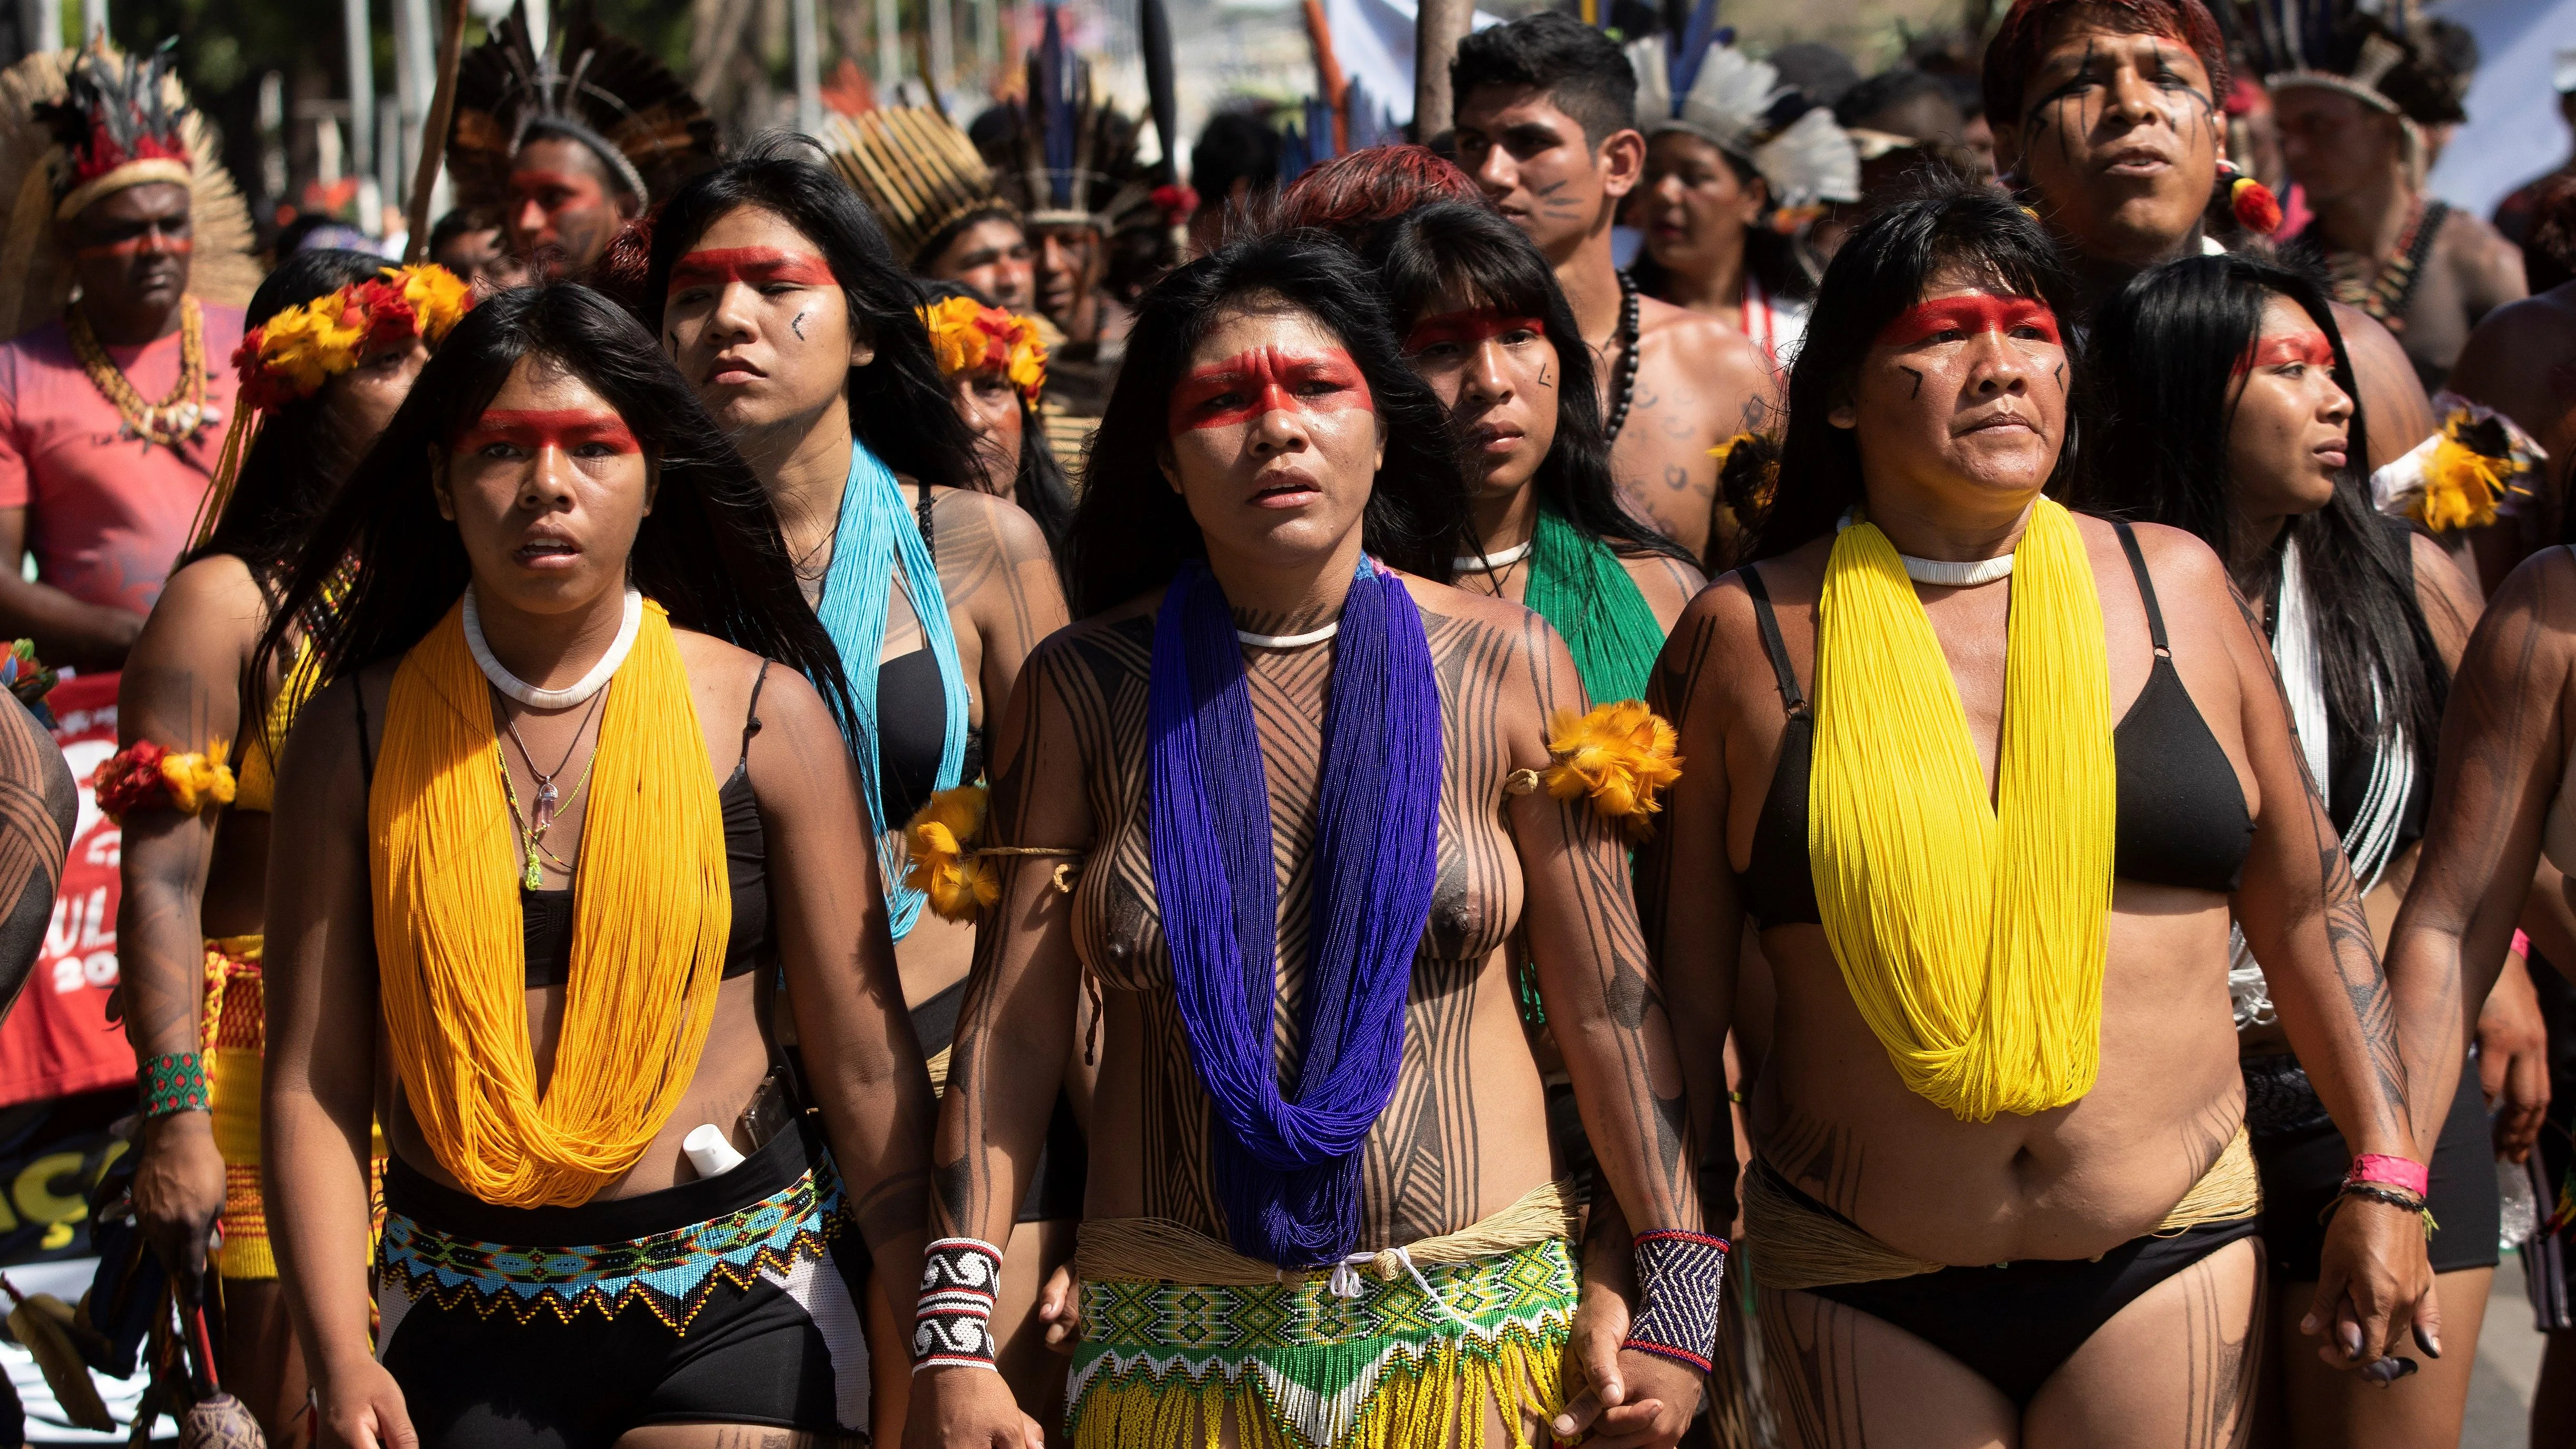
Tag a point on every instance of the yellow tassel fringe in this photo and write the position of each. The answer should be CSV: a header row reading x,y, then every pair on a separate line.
x,y
1438,1401
941,842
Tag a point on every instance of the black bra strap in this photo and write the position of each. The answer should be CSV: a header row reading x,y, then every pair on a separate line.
x,y
1772,643
751,715
366,751
2146,585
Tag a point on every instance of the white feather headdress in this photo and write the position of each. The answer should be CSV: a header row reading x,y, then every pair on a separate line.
x,y
1737,104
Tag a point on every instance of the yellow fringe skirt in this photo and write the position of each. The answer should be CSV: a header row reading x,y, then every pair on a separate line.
x,y
234,1027
1295,1364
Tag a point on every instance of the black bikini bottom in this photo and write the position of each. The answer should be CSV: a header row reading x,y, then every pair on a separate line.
x,y
2016,1323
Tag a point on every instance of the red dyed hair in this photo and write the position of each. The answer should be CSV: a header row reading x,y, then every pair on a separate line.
x,y
1349,194
2015,50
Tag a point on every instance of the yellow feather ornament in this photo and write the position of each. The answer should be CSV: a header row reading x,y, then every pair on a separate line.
x,y
1620,756
941,841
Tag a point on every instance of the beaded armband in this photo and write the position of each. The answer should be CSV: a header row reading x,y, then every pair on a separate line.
x,y
1620,756
174,1082
1679,1276
953,1325
144,774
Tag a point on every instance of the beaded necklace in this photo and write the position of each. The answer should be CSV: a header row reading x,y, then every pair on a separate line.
x,y
176,418
2387,296
1627,358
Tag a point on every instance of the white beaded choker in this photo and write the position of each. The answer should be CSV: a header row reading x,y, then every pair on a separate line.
x,y
582,689
1289,641
1950,575
1942,573
1499,558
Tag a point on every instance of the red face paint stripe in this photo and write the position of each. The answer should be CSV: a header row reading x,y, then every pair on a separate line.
x,y
2280,350
757,266
538,429
1470,328
1265,380
161,245
1972,314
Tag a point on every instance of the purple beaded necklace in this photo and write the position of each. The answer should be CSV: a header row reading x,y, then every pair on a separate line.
x,y
1287,1163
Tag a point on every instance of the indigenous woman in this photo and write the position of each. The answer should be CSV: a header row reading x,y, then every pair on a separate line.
x,y
1734,161
335,340
783,309
2226,410
565,811
2000,1178
1484,324
995,368
1303,780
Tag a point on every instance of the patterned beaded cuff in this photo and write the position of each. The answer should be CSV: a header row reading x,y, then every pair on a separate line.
x,y
952,1326
1678,1278
174,1082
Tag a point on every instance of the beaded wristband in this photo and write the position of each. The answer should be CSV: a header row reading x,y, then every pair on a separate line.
x,y
174,1082
952,1325
2396,1172
1678,1278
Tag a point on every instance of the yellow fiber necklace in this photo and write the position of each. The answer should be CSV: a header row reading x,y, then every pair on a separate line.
x,y
1970,935
650,918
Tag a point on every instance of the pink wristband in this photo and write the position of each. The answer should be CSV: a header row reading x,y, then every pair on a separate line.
x,y
2397,1172
2522,945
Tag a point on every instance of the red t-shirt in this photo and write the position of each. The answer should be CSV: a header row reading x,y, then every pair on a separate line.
x,y
106,514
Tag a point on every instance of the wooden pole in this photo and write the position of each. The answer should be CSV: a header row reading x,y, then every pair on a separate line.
x,y
1438,27
1328,72
433,138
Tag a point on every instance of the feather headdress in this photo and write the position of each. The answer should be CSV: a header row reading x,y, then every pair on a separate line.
x,y
642,123
1705,86
2385,55
79,125
914,169
1067,157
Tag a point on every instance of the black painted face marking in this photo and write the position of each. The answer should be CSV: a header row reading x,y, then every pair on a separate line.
x,y
1918,381
1546,376
798,326
2061,379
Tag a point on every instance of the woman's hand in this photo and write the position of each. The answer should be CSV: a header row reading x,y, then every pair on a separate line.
x,y
179,1190
361,1407
1060,1309
2374,1290
2513,1061
967,1408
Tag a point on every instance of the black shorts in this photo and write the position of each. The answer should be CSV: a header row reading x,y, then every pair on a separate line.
x,y
2303,1159
729,1300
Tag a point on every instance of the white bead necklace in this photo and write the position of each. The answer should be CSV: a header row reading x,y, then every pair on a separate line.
x,y
1943,573
582,689
1289,641
1950,575
1499,558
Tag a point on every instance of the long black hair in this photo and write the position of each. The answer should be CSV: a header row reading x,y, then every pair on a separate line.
x,y
1881,271
299,458
1039,487
1468,250
2159,402
898,402
1132,531
709,552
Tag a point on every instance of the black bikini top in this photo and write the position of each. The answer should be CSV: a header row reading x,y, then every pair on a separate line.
x,y
545,917
2181,813
912,719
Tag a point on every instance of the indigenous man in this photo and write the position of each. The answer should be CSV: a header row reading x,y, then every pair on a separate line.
x,y
112,409
2352,118
477,249
2106,121
934,197
1547,127
567,144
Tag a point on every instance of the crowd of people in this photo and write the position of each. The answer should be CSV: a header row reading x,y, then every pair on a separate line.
x,y
1734,756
